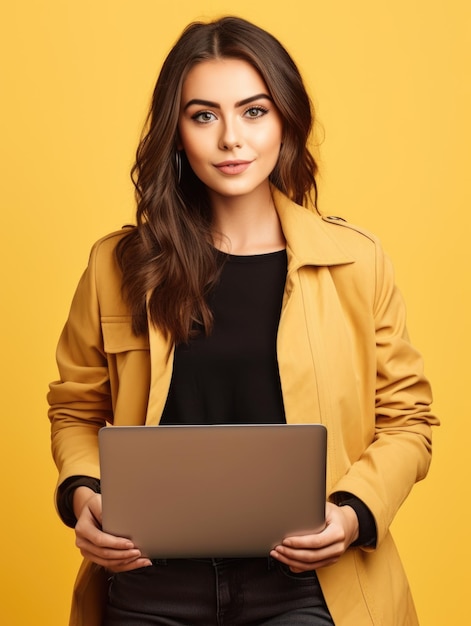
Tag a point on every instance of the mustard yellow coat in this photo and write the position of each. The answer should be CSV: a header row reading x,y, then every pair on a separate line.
x,y
344,359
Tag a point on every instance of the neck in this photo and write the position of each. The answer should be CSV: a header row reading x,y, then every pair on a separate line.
x,y
247,225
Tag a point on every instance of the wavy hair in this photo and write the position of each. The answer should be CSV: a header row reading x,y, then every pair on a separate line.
x,y
167,261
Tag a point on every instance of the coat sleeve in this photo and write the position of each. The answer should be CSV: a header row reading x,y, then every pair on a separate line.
x,y
80,401
399,454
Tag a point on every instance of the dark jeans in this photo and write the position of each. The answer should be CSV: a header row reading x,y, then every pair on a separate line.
x,y
216,592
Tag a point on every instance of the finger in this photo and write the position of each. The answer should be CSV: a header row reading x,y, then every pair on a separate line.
x,y
132,565
118,564
333,533
302,566
126,565
106,547
108,557
302,557
310,556
86,530
106,541
307,542
298,568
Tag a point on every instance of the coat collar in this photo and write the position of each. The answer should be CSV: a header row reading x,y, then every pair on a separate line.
x,y
309,239
308,242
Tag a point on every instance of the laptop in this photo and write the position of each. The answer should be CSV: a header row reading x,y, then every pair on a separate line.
x,y
212,491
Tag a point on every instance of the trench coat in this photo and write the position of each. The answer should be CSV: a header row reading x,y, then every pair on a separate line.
x,y
345,361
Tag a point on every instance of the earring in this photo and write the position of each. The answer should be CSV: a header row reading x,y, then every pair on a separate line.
x,y
178,165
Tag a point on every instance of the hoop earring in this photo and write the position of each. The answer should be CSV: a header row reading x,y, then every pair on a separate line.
x,y
178,165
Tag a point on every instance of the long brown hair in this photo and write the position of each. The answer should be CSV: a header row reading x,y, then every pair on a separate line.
x,y
169,255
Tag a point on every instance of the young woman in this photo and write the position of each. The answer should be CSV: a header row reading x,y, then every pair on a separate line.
x,y
231,276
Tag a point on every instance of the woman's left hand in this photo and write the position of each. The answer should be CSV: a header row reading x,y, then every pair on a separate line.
x,y
308,552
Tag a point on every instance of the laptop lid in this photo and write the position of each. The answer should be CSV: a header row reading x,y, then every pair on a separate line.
x,y
212,491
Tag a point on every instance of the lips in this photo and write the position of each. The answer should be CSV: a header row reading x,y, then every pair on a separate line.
x,y
232,167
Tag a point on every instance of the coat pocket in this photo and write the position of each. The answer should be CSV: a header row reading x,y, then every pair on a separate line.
x,y
128,358
118,335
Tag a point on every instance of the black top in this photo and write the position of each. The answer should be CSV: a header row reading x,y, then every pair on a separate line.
x,y
231,376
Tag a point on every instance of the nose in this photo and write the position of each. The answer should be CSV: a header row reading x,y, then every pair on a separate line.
x,y
230,137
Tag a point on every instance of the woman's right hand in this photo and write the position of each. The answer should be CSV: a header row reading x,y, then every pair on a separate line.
x,y
116,554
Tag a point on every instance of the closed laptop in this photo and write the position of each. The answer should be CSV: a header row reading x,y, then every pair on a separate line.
x,y
212,491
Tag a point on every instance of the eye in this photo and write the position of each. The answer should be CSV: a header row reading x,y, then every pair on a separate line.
x,y
203,117
255,111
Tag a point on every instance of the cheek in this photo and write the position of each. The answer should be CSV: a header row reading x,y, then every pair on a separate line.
x,y
193,143
274,147
183,139
195,156
271,139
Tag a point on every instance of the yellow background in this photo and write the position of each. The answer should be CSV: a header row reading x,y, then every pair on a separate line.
x,y
392,88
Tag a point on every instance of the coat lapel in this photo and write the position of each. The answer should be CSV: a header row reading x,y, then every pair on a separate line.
x,y
161,359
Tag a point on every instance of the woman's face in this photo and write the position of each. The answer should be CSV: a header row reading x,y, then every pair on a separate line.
x,y
229,127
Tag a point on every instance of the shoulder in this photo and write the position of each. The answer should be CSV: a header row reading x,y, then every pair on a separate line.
x,y
103,253
344,230
104,272
319,240
371,262
361,244
106,246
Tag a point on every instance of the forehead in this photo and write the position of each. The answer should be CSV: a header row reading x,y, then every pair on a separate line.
x,y
222,80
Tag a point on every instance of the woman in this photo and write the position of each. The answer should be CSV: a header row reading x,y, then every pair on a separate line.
x,y
231,276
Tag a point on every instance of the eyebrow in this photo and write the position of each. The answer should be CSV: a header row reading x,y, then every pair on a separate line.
x,y
216,105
